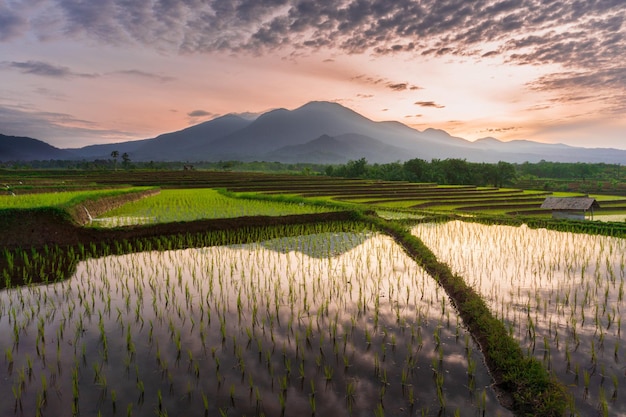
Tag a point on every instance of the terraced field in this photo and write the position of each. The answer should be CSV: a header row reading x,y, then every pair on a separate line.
x,y
421,198
254,367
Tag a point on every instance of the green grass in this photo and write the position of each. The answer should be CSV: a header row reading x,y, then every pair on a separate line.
x,y
60,199
603,197
566,194
389,204
399,204
192,204
524,192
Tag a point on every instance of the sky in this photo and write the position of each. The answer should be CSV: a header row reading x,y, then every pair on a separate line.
x,y
81,72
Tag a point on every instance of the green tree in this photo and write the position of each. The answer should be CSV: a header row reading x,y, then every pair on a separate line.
x,y
125,160
356,169
393,171
417,170
456,171
114,155
506,173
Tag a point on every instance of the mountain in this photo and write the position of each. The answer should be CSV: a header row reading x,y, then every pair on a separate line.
x,y
325,132
282,128
338,150
15,148
183,145
176,146
104,151
525,150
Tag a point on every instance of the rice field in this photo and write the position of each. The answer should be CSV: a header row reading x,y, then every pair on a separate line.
x,y
191,204
560,294
419,197
331,323
610,217
59,199
324,324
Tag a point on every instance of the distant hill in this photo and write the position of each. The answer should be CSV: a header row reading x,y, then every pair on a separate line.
x,y
325,132
182,145
104,151
175,146
16,148
338,150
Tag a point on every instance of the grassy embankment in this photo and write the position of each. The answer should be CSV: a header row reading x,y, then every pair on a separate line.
x,y
528,386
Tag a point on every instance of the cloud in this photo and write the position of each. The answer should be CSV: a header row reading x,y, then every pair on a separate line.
x,y
395,48
575,35
392,85
145,75
499,129
11,24
538,107
199,113
445,27
398,87
607,85
40,68
51,94
601,78
364,79
429,104
402,86
58,129
44,69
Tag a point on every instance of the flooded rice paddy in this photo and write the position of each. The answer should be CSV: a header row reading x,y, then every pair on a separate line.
x,y
328,324
561,295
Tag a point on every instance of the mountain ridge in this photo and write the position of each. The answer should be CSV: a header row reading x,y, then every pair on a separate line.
x,y
21,148
321,132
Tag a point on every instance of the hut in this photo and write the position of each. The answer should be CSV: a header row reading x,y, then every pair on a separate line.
x,y
574,208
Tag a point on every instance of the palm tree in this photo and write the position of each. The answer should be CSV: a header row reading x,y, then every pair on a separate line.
x,y
114,155
125,160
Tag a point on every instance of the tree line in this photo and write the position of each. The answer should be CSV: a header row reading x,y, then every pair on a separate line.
x,y
446,171
459,171
570,170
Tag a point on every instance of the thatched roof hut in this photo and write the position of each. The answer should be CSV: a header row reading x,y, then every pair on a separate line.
x,y
570,207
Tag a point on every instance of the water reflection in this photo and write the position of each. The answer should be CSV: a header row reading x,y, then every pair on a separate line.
x,y
318,245
242,330
561,294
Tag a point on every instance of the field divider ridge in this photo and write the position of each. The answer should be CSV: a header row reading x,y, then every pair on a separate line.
x,y
522,382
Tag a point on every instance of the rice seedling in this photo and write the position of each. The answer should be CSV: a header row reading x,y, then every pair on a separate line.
x,y
558,292
192,204
60,199
193,329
